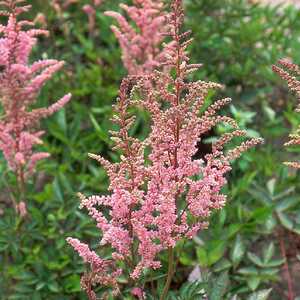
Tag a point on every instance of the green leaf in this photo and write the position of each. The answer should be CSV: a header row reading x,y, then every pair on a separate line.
x,y
287,203
202,257
53,287
255,259
270,113
269,272
233,229
260,295
268,252
238,251
285,221
60,117
275,263
101,133
72,284
192,290
248,271
40,286
23,288
253,283
270,223
260,194
296,229
261,214
57,190
219,287
271,185
222,265
211,253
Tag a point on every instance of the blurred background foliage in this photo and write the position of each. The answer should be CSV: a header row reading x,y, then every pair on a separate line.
x,y
245,251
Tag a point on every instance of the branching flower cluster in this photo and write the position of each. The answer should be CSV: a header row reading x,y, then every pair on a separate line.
x,y
141,43
159,198
289,72
20,84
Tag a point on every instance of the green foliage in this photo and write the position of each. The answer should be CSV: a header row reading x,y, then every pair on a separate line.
x,y
238,41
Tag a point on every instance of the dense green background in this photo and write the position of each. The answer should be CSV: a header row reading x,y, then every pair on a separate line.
x,y
239,254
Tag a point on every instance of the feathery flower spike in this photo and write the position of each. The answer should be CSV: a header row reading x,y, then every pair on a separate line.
x,y
142,47
160,194
289,72
20,84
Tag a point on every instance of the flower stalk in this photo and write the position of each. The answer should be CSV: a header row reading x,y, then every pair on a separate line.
x,y
170,274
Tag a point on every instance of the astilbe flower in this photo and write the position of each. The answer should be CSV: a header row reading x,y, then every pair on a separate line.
x,y
61,5
289,72
141,43
160,198
90,10
20,84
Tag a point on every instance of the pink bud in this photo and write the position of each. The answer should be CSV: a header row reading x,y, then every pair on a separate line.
x,y
88,9
138,292
21,209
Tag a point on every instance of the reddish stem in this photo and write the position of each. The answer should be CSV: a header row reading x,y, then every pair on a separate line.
x,y
291,295
89,288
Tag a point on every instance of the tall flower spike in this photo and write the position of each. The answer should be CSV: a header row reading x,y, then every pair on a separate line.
x,y
289,72
141,44
164,196
20,84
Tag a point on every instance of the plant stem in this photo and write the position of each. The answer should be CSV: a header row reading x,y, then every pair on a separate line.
x,y
286,268
89,288
170,274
